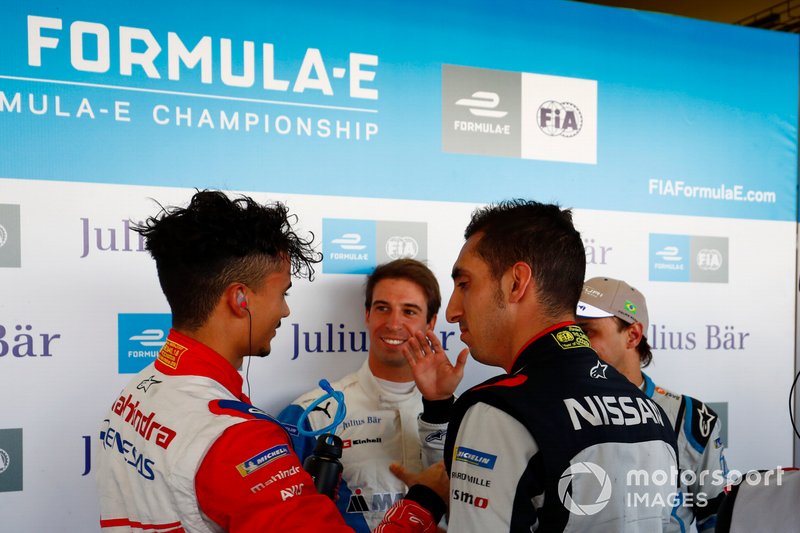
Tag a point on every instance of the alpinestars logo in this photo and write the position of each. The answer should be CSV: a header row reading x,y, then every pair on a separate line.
x,y
483,104
598,371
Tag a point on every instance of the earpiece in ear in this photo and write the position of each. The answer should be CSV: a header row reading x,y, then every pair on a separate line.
x,y
241,299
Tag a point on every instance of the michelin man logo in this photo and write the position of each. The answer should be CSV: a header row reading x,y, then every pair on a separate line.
x,y
584,509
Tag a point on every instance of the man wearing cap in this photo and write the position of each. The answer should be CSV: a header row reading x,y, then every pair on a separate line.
x,y
614,316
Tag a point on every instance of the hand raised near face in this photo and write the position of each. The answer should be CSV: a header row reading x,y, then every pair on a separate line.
x,y
435,376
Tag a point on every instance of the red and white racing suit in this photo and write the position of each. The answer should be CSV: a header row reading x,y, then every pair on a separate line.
x,y
182,449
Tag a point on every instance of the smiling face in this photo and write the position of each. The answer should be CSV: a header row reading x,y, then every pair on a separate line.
x,y
398,310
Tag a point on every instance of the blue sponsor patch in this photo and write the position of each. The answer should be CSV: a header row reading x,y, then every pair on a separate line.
x,y
140,338
291,429
264,458
476,458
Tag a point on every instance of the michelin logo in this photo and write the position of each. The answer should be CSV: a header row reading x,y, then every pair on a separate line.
x,y
262,459
475,457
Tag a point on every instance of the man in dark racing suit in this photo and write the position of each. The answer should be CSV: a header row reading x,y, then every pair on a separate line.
x,y
562,442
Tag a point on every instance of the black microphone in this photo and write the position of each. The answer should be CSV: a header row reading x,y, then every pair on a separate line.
x,y
324,465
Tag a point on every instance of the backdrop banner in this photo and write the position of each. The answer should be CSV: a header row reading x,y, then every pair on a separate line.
x,y
382,127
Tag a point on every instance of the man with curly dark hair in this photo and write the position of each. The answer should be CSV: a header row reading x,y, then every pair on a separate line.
x,y
182,448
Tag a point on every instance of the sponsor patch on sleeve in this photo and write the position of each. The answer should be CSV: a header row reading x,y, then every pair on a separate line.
x,y
571,337
261,459
475,457
170,354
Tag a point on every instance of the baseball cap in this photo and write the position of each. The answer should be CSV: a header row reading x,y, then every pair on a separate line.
x,y
602,297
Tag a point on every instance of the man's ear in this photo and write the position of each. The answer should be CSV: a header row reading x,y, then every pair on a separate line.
x,y
235,297
521,281
635,332
432,323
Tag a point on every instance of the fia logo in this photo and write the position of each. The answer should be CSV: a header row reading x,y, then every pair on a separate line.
x,y
402,247
709,259
559,119
483,104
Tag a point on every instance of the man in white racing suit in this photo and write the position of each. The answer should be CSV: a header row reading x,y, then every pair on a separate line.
x,y
388,419
615,317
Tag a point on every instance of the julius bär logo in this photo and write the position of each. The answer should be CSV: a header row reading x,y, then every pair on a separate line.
x,y
10,236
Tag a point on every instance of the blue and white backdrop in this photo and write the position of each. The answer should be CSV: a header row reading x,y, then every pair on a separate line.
x,y
382,126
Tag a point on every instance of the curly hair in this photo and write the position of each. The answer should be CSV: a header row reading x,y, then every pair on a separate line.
x,y
215,241
541,235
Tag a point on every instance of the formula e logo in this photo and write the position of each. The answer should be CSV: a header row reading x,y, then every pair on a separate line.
x,y
150,337
559,118
141,337
670,254
483,104
583,476
402,247
709,259
688,258
358,246
349,241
